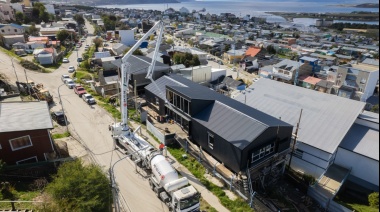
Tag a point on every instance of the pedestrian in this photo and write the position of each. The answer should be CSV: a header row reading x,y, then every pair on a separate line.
x,y
161,147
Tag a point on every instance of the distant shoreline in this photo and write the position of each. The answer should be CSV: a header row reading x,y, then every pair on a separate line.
x,y
368,5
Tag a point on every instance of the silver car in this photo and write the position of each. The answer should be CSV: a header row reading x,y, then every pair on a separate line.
x,y
70,83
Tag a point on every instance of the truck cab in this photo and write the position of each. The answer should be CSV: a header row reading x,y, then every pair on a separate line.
x,y
186,200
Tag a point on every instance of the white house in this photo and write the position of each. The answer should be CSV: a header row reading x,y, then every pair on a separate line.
x,y
12,29
198,74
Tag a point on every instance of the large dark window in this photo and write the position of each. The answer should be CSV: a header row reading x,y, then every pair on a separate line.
x,y
211,140
261,153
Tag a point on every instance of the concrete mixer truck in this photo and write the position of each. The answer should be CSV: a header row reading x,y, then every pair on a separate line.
x,y
175,192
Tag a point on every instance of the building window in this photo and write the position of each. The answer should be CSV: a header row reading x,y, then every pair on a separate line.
x,y
211,140
261,153
20,143
28,160
2,30
15,30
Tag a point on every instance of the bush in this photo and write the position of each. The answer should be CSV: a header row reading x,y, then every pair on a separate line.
x,y
32,66
309,179
373,199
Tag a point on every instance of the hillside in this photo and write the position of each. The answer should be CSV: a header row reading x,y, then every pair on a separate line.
x,y
367,5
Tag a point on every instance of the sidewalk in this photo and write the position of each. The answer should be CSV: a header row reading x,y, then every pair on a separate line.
x,y
206,194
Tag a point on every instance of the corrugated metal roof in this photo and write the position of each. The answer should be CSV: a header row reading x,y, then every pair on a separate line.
x,y
326,118
230,124
21,116
362,140
140,64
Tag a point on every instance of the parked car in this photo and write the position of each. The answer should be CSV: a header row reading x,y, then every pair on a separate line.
x,y
79,59
86,47
65,60
88,99
65,77
79,90
58,117
78,46
71,69
70,83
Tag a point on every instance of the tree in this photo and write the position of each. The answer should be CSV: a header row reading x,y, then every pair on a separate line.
x,y
190,42
169,41
195,61
373,200
80,188
375,109
19,17
8,192
137,52
33,30
98,43
79,19
63,35
227,48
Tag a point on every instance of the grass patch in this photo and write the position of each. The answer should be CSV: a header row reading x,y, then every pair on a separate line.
x,y
354,204
10,53
80,74
58,136
22,192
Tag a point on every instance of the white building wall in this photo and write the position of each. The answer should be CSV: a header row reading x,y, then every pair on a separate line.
x,y
314,161
371,85
17,7
198,74
362,167
216,73
367,123
127,37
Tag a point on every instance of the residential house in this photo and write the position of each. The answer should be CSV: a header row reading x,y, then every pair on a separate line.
x,y
118,48
7,13
234,56
9,40
323,124
356,81
46,56
25,132
288,71
242,138
198,74
12,29
308,82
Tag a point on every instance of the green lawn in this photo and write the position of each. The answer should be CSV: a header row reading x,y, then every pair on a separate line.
x,y
58,136
354,204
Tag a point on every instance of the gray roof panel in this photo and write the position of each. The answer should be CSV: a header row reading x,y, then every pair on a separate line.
x,y
22,116
362,140
326,118
230,124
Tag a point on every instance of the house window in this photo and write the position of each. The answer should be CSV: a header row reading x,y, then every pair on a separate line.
x,y
211,140
20,143
9,30
28,160
2,30
261,153
15,30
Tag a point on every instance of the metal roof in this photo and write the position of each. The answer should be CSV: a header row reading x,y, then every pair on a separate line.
x,y
326,118
22,116
362,140
230,124
140,64
227,108
369,116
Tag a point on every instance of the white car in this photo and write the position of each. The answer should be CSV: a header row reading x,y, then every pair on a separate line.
x,y
65,77
70,83
88,99
71,69
86,47
65,60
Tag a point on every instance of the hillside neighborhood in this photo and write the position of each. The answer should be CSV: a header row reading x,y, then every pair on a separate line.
x,y
257,115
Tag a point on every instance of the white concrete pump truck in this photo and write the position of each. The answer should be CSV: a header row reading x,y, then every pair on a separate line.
x,y
175,192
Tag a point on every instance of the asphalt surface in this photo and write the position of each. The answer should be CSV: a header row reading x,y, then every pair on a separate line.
x,y
89,125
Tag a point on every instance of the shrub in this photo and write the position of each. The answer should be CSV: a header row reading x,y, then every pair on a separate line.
x,y
373,199
309,179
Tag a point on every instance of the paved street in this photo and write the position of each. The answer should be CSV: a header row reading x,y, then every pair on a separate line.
x,y
89,124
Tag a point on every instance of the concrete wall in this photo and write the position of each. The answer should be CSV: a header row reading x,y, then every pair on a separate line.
x,y
371,85
362,167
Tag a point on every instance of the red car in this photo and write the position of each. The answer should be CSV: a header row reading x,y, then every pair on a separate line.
x,y
79,90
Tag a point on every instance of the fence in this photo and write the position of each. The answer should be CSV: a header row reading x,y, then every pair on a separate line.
x,y
157,133
235,185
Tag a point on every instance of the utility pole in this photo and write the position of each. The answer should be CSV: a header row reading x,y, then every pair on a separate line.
x,y
135,91
18,86
63,111
295,139
27,81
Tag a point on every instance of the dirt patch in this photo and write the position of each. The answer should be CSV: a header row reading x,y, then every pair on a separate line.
x,y
230,195
214,180
58,129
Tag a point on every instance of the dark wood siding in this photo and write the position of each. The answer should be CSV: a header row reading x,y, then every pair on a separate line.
x,y
40,140
223,150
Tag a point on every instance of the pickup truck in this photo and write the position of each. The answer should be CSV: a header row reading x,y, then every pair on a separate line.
x,y
79,90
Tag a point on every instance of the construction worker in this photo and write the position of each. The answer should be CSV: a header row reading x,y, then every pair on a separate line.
x,y
161,147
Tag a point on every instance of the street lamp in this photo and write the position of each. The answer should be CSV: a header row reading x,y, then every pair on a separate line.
x,y
63,111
